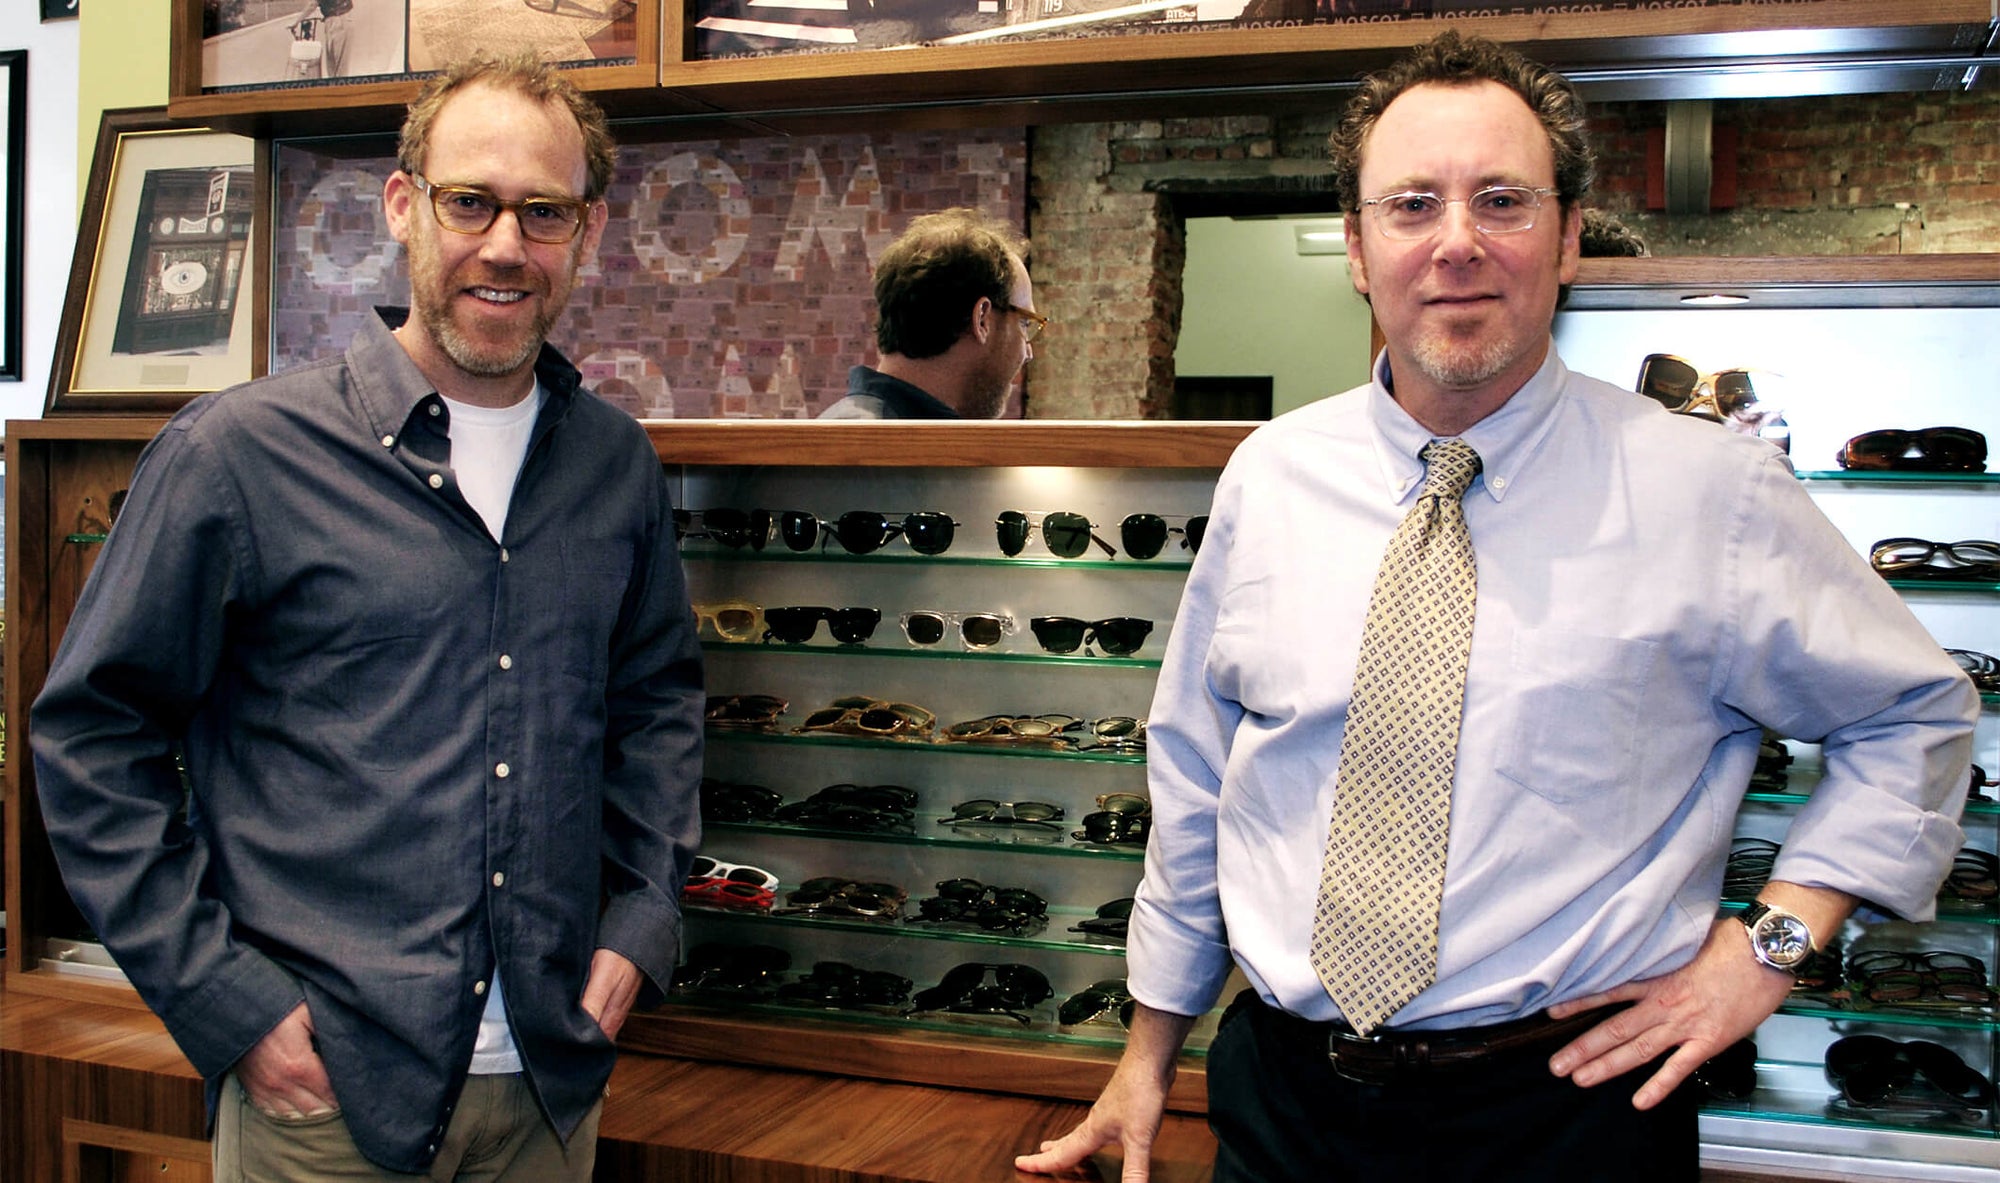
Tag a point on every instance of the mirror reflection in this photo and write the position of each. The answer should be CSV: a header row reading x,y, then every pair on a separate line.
x,y
1184,262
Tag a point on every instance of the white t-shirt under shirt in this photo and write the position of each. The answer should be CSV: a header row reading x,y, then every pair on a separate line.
x,y
488,445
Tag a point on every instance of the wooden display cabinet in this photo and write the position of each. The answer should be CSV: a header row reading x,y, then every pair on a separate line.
x,y
1642,52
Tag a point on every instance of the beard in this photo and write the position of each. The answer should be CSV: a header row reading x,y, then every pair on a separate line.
x,y
481,355
1462,364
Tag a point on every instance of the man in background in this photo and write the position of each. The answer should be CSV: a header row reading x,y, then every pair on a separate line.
x,y
1474,886
955,321
413,623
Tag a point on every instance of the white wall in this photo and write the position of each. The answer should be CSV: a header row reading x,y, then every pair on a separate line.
x,y
51,193
1253,305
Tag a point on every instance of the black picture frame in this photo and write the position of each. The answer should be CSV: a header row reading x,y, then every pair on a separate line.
x,y
61,10
13,208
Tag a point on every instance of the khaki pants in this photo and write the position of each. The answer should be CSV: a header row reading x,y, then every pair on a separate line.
x,y
497,1135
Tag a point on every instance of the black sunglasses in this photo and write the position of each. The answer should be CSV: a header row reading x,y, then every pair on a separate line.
x,y
1145,535
733,528
976,630
796,626
980,988
864,531
1106,998
729,801
1118,636
838,984
1933,449
1105,828
712,966
1112,919
1067,535
987,812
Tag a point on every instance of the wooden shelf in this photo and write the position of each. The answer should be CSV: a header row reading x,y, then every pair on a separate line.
x,y
1698,52
1861,281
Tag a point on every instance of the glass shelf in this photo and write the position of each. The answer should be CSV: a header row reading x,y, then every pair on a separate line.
x,y
1044,1028
938,653
1964,1018
1054,935
963,749
1947,586
1022,840
1818,1109
1899,478
722,554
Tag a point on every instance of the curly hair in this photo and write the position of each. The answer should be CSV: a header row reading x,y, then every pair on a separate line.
x,y
1451,59
929,279
529,76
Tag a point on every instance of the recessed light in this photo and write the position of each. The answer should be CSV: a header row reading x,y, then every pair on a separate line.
x,y
1714,299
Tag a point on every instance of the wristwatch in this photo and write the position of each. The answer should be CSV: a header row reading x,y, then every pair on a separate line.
x,y
1778,938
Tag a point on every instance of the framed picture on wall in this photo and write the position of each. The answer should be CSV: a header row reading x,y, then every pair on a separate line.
x,y
162,291
13,206
61,10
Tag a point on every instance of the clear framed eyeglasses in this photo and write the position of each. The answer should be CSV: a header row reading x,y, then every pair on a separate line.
x,y
1496,209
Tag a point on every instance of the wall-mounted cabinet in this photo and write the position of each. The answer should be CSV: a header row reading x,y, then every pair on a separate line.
x,y
1292,53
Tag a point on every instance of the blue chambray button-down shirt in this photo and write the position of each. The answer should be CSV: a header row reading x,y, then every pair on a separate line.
x,y
1651,589
417,753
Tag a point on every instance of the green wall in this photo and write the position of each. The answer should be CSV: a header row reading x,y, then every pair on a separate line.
x,y
121,62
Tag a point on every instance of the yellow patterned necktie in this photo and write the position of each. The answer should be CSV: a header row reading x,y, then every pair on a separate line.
x,y
1375,928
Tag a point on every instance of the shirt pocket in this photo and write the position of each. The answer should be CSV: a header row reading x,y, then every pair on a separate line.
x,y
1576,705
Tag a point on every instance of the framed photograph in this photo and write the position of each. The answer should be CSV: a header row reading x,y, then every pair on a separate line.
x,y
272,43
61,10
162,291
13,206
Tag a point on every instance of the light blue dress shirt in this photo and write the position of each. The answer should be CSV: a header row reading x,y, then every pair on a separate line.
x,y
1651,590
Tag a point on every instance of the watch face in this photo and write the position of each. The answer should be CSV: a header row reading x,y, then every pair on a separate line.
x,y
1782,940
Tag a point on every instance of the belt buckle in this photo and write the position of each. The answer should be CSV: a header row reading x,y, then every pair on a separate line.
x,y
1343,1067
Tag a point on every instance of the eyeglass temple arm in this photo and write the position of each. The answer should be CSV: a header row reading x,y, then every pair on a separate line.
x,y
1110,551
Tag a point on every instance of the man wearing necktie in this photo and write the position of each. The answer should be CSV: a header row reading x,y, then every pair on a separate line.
x,y
1465,688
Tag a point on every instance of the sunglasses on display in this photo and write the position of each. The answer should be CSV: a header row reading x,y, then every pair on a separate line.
x,y
996,909
733,528
1982,668
980,988
867,809
1111,921
1973,560
976,630
869,718
705,868
987,812
1067,535
1108,828
796,626
1033,731
732,620
744,711
840,985
833,896
1110,735
1144,535
1108,999
1932,449
863,531
712,966
1675,384
728,801
1974,875
1874,1072
723,892
1895,978
1118,636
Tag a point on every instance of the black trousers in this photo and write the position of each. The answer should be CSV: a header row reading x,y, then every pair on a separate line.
x,y
1280,1113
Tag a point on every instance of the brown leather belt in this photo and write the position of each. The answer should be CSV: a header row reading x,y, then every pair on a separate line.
x,y
1391,1056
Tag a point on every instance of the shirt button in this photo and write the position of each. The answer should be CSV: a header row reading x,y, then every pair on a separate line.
x,y
506,662
501,771
437,482
499,879
1498,482
479,987
388,441
435,410
431,1149
503,554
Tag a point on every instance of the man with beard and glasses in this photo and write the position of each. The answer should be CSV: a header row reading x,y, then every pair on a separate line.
x,y
956,315
371,749
1460,815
